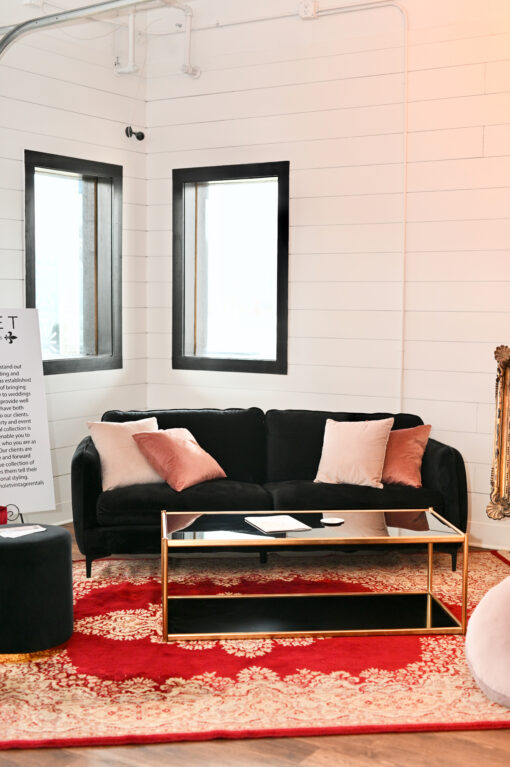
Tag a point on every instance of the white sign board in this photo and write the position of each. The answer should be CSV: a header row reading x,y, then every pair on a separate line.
x,y
26,478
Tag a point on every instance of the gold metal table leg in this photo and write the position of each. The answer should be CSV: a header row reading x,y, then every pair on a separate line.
x,y
164,587
465,550
430,565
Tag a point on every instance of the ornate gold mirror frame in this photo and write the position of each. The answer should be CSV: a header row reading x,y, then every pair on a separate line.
x,y
499,505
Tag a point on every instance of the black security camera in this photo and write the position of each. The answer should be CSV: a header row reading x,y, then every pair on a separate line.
x,y
137,134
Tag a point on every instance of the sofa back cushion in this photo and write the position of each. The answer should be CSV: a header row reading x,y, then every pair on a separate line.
x,y
235,438
295,438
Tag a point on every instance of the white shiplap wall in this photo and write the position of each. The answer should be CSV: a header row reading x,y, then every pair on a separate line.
x,y
327,95
58,94
284,89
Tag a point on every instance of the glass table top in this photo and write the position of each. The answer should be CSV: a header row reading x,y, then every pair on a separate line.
x,y
342,526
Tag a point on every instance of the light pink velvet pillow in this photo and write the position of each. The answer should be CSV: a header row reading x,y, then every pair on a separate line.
x,y
178,458
404,455
353,452
122,464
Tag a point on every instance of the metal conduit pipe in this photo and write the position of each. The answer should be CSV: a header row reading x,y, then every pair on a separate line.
x,y
131,67
187,67
13,32
61,17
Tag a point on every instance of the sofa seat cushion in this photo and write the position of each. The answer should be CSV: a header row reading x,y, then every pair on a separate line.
x,y
302,494
142,504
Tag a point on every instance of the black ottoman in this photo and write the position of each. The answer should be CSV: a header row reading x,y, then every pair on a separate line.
x,y
36,590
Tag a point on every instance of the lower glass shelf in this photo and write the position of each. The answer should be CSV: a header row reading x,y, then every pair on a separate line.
x,y
324,614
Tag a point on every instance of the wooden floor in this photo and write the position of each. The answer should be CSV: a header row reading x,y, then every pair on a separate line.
x,y
466,749
473,748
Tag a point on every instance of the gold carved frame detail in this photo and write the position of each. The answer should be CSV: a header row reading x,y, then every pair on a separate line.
x,y
499,505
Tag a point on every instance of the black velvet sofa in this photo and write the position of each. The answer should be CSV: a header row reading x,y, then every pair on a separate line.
x,y
270,460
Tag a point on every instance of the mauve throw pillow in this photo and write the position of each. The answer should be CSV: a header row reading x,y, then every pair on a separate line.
x,y
122,464
404,454
178,458
353,452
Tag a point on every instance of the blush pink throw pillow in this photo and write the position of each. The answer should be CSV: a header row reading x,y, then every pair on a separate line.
x,y
122,464
353,452
404,455
178,458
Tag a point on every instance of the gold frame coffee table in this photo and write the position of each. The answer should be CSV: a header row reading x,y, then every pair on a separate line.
x,y
319,614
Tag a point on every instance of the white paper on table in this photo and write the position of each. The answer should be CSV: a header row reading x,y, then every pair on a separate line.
x,y
277,523
19,532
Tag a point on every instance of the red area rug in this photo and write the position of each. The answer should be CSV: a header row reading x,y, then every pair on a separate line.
x,y
115,681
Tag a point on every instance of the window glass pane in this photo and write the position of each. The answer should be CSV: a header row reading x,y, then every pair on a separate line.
x,y
230,272
65,263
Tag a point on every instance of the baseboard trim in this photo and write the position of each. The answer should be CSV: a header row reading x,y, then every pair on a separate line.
x,y
493,534
41,518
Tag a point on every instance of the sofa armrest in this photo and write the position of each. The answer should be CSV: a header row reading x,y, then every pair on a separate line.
x,y
85,489
443,469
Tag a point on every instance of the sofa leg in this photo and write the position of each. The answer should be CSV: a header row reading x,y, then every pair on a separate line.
x,y
263,557
88,566
454,561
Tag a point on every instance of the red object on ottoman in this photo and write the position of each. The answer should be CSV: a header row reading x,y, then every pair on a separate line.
x,y
3,515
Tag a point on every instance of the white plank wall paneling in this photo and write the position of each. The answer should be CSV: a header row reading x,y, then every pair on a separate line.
x,y
59,95
327,95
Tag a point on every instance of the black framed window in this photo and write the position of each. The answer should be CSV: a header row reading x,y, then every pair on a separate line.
x,y
230,267
73,241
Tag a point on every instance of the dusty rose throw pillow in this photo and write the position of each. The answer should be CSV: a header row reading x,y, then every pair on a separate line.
x,y
178,458
402,464
404,454
353,452
122,464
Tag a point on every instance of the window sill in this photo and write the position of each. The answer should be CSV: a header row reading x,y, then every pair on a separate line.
x,y
82,364
275,367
